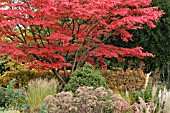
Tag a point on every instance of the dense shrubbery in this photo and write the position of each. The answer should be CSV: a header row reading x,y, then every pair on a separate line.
x,y
24,76
103,99
85,76
90,100
11,98
10,69
85,100
130,80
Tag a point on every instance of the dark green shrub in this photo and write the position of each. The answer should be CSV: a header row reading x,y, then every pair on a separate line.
x,y
86,76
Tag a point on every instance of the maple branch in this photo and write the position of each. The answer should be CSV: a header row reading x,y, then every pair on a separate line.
x,y
73,35
25,30
21,33
48,31
111,34
74,64
66,23
18,38
84,53
59,77
33,34
87,35
65,72
78,28
39,34
15,35
73,27
69,26
89,31
67,56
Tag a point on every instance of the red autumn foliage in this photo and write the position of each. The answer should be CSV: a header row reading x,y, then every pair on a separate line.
x,y
50,34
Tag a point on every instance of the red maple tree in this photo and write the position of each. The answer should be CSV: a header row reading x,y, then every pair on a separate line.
x,y
52,34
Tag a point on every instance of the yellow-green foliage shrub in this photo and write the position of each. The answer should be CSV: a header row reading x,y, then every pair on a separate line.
x,y
24,76
12,64
130,80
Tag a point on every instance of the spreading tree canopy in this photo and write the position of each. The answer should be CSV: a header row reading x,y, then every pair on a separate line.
x,y
50,34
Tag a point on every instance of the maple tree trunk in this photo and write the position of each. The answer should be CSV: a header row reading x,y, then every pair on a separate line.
x,y
61,81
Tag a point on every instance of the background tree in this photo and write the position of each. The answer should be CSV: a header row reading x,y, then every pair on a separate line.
x,y
154,40
57,34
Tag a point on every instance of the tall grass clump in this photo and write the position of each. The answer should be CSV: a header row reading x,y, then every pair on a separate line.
x,y
167,103
38,89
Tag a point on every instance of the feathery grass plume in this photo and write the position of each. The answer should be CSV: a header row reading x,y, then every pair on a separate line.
x,y
146,81
38,89
145,107
142,103
127,96
167,103
162,98
154,89
10,111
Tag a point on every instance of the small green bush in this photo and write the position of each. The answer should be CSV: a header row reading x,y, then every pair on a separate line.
x,y
86,76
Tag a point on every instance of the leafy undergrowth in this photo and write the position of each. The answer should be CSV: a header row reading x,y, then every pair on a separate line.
x,y
40,96
153,100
